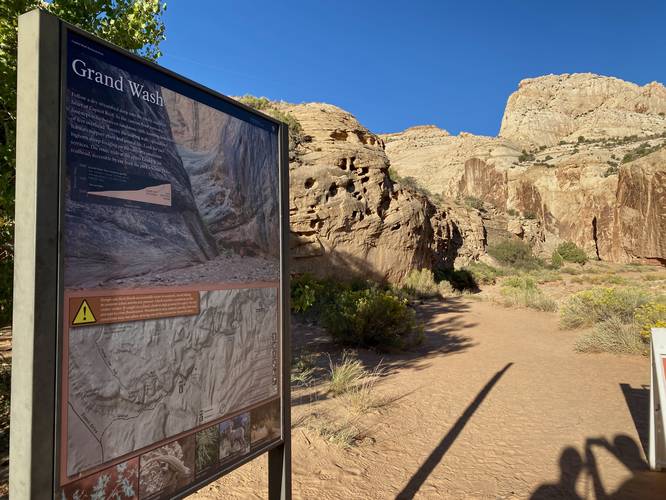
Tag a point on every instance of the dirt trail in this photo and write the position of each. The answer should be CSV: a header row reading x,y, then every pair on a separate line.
x,y
495,405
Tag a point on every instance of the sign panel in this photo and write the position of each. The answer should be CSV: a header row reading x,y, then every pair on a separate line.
x,y
168,343
657,445
171,335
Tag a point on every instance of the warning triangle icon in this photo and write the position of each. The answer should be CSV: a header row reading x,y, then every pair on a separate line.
x,y
84,315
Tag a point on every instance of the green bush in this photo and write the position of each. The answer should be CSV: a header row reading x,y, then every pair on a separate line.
x,y
372,318
304,292
556,260
568,252
515,253
593,306
482,273
266,106
512,212
650,315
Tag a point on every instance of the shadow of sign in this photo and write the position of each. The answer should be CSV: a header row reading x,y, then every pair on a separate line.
x,y
438,453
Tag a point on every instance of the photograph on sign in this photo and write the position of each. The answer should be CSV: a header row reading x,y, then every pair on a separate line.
x,y
171,250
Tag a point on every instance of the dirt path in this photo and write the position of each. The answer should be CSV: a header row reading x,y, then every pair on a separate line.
x,y
496,405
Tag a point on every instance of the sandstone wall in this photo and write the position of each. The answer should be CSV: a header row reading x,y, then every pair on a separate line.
x,y
348,218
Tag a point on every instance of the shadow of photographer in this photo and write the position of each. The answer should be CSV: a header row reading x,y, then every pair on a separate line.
x,y
643,484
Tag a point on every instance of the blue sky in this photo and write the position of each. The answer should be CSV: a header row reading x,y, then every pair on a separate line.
x,y
395,64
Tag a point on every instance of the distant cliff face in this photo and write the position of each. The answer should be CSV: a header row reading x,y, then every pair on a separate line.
x,y
548,109
579,158
348,218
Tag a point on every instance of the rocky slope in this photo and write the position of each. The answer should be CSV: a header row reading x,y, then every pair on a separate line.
x,y
349,218
552,174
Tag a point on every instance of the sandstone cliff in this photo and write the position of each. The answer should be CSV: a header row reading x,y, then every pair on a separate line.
x,y
349,218
546,110
552,174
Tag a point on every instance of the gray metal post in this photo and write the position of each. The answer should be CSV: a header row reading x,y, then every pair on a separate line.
x,y
36,259
279,459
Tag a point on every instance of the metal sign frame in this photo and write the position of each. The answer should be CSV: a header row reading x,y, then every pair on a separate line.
x,y
657,446
38,272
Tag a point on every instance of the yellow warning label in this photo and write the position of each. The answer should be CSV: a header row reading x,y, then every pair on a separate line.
x,y
85,314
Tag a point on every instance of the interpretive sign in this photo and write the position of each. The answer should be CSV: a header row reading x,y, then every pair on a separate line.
x,y
657,448
166,344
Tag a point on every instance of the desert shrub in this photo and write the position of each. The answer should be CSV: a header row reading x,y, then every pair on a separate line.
x,y
482,273
474,202
528,214
304,292
372,318
571,270
592,306
445,288
569,252
266,106
525,156
650,315
556,260
512,212
523,291
515,253
613,335
420,284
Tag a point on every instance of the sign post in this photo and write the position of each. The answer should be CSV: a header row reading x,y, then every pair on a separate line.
x,y
657,448
151,347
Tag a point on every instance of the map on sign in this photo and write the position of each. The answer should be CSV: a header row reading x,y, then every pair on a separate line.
x,y
133,384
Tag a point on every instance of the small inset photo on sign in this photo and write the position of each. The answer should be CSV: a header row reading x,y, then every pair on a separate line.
x,y
265,424
120,482
234,437
208,449
167,469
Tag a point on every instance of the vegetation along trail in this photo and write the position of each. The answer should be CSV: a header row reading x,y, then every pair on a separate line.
x,y
496,404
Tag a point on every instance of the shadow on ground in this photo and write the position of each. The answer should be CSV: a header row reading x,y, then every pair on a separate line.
x,y
638,402
643,484
443,322
430,463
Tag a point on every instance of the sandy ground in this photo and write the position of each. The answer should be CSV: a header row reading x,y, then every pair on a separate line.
x,y
496,404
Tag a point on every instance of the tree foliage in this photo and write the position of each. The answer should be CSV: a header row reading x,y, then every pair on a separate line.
x,y
135,25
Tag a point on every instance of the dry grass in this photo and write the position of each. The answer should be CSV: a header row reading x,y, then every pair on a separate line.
x,y
615,336
522,291
363,397
345,432
303,368
346,374
355,385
